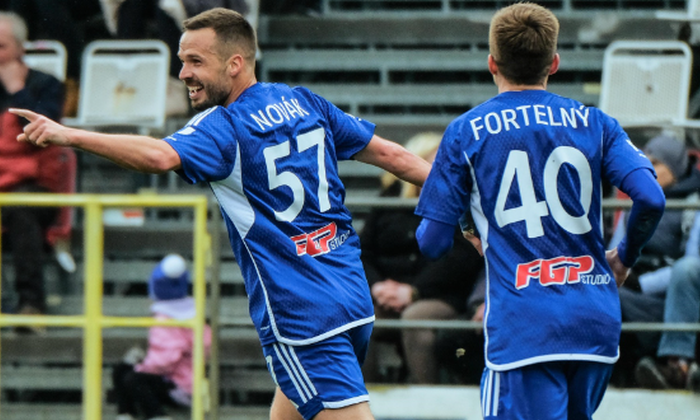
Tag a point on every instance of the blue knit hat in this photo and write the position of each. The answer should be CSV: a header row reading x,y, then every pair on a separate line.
x,y
671,151
170,279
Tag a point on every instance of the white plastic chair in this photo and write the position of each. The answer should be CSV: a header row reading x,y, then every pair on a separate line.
x,y
646,83
123,83
691,13
48,56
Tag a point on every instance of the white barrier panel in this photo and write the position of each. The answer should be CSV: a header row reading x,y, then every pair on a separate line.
x,y
462,403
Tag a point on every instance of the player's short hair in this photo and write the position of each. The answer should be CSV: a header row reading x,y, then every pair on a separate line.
x,y
233,31
19,28
523,42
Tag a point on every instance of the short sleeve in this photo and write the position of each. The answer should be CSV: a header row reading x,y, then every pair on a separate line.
x,y
620,156
445,195
350,134
206,145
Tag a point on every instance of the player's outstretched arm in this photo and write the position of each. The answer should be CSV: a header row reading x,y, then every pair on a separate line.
x,y
140,153
394,158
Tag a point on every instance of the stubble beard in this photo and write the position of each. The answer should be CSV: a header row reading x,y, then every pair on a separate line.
x,y
215,95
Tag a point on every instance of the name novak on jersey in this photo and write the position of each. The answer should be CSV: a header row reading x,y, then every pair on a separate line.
x,y
278,113
526,115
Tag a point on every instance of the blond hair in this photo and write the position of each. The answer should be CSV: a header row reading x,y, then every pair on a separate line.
x,y
422,144
523,42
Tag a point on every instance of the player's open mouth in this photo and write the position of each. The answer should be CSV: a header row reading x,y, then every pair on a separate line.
x,y
193,90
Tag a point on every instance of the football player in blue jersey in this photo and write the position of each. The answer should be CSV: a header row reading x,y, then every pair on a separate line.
x,y
529,166
270,154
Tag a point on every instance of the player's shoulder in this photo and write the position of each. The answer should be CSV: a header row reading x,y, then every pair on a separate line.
x,y
282,88
213,121
571,103
206,116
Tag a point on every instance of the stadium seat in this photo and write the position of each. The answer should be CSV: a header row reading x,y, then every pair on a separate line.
x,y
48,56
646,83
690,14
123,84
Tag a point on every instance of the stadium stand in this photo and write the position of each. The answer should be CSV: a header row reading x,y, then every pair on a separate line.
x,y
409,66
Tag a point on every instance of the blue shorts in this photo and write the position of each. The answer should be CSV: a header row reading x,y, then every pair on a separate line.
x,y
321,375
562,390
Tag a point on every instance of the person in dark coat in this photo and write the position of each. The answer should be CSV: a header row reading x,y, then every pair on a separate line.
x,y
405,284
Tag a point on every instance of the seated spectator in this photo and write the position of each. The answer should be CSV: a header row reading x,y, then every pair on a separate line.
x,y
164,376
25,168
642,296
460,353
675,366
406,285
73,23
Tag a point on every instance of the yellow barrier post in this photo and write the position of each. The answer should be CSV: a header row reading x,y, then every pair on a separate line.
x,y
93,321
92,339
201,245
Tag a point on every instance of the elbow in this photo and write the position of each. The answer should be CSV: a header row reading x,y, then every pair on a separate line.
x,y
159,162
434,238
656,203
433,253
433,250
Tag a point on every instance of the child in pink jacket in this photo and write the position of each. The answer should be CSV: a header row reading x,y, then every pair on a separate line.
x,y
165,374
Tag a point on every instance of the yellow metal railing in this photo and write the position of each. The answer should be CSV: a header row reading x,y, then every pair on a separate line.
x,y
93,321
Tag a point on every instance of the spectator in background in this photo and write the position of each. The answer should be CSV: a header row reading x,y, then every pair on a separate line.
x,y
675,367
164,376
404,284
24,167
642,297
670,293
74,23
460,353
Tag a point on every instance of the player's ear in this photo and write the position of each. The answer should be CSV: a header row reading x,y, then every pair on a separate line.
x,y
235,64
555,64
493,67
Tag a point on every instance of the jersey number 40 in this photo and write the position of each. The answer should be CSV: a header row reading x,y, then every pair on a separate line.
x,y
532,211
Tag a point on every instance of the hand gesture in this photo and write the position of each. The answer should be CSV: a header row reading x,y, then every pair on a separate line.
x,y
620,272
392,295
468,228
41,131
474,240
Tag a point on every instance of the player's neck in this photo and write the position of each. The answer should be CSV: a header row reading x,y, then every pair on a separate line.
x,y
240,88
505,85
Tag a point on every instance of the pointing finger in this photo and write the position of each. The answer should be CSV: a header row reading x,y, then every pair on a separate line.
x,y
30,115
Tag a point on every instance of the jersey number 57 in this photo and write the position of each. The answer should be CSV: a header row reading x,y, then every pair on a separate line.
x,y
289,179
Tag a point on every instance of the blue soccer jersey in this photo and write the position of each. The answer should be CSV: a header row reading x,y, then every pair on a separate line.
x,y
271,160
530,165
